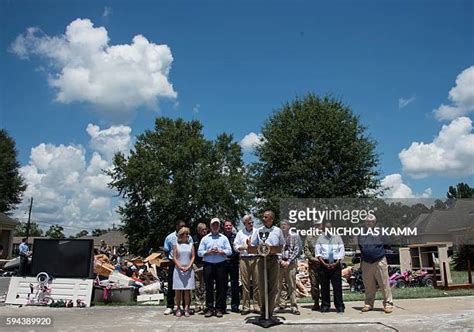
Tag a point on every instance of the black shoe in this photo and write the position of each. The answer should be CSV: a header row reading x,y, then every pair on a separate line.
x,y
316,307
219,314
324,309
235,309
295,311
245,312
208,313
340,310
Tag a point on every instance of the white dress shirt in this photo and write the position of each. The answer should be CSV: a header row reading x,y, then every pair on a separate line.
x,y
329,248
241,241
275,236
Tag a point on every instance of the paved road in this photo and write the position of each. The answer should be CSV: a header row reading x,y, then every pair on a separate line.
x,y
454,313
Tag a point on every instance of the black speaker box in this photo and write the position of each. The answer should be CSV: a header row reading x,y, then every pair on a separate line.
x,y
63,258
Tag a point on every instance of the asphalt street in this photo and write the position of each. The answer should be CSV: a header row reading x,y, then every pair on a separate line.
x,y
437,314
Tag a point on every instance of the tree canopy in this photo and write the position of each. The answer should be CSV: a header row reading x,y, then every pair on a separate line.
x,y
55,232
461,190
314,147
81,234
35,230
175,173
99,232
12,184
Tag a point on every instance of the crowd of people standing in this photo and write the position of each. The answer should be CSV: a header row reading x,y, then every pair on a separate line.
x,y
209,261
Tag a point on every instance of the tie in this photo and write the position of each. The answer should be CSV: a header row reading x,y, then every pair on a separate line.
x,y
331,253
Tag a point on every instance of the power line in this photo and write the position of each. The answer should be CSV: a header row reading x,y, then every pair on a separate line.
x,y
46,223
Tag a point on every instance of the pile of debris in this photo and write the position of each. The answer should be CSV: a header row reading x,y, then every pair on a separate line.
x,y
303,284
134,279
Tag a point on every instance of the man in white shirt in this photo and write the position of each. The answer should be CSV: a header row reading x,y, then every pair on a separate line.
x,y
248,267
274,238
330,252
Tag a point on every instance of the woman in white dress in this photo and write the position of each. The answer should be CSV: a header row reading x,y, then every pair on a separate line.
x,y
183,275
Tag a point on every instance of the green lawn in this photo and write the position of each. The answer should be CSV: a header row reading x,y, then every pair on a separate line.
x,y
459,277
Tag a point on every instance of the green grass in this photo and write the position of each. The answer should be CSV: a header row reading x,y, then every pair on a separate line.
x,y
459,277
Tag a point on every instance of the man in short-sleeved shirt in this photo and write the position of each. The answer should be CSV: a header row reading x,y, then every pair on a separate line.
x,y
374,268
275,239
330,252
24,254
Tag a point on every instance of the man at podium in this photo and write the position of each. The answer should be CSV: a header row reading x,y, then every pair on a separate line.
x,y
273,237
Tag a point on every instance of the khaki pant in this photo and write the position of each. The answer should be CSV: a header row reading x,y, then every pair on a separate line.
x,y
249,276
273,269
373,274
200,290
288,277
314,279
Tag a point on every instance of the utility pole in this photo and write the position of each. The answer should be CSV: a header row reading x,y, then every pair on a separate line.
x,y
29,220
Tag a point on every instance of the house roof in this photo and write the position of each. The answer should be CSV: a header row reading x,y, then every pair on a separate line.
x,y
17,239
112,238
460,216
7,222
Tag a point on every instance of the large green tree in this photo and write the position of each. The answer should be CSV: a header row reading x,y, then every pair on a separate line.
x,y
461,190
12,184
99,232
81,234
35,230
55,232
175,173
314,147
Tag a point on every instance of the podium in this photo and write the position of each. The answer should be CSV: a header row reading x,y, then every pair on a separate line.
x,y
264,250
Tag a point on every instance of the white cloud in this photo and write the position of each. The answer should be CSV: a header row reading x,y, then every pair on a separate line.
x,y
111,140
69,189
107,12
395,188
251,141
461,97
450,154
402,102
196,108
83,67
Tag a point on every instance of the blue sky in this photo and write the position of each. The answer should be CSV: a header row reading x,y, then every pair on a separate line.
x,y
233,63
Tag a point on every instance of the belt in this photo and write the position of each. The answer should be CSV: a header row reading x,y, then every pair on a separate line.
x,y
248,257
327,261
208,263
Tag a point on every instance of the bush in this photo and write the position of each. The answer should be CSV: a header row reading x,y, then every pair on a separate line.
x,y
463,254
